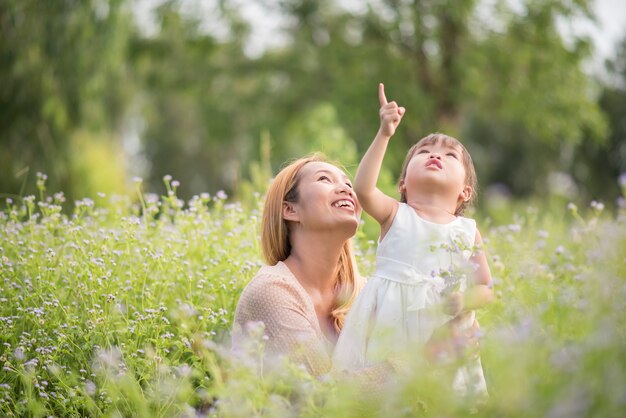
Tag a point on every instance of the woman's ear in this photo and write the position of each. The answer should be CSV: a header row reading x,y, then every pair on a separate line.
x,y
289,212
466,193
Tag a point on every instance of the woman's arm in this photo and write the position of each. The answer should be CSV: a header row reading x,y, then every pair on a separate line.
x,y
291,330
288,326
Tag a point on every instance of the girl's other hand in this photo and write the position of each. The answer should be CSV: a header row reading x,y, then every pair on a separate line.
x,y
453,303
449,343
390,113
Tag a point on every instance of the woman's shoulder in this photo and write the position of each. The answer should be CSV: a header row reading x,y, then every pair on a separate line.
x,y
272,285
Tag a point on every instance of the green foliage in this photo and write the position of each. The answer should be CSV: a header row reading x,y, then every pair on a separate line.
x,y
124,309
62,67
320,131
99,163
108,308
195,100
594,162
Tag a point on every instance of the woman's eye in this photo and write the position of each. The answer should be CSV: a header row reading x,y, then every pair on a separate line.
x,y
349,185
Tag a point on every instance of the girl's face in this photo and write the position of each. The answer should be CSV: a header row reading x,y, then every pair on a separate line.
x,y
436,164
325,200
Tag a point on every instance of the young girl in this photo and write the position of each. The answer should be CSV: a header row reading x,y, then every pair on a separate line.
x,y
424,255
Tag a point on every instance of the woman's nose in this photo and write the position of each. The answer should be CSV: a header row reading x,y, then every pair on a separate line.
x,y
344,188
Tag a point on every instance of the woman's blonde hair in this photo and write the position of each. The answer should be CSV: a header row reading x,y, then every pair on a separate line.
x,y
470,172
275,236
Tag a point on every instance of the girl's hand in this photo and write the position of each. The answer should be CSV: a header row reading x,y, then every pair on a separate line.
x,y
390,113
472,340
454,304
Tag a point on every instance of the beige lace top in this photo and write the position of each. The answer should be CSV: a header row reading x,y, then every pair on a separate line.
x,y
275,297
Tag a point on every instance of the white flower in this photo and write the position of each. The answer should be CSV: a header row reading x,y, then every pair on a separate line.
x,y
599,206
90,387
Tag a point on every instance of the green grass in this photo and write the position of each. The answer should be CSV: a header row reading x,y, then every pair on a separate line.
x,y
123,308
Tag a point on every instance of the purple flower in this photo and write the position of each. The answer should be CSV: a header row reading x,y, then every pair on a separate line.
x,y
622,180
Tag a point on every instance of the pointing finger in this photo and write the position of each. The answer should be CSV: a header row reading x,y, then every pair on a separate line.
x,y
381,94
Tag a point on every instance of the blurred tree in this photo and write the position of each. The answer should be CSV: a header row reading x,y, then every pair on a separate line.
x,y
204,101
62,67
531,103
597,166
320,131
505,81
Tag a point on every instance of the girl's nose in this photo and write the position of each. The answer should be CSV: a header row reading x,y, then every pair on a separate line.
x,y
434,155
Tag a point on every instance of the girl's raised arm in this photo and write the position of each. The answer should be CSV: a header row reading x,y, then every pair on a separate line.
x,y
380,206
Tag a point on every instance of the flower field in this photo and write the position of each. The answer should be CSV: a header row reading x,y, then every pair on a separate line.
x,y
123,308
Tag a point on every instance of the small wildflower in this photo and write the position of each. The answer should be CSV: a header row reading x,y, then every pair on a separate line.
x,y
167,178
175,183
599,206
515,228
137,180
90,388
221,195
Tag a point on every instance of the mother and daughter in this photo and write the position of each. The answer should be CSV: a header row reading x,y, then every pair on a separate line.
x,y
430,272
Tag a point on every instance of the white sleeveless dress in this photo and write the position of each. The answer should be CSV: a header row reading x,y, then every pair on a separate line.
x,y
400,306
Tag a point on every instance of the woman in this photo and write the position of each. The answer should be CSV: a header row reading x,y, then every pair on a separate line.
x,y
310,282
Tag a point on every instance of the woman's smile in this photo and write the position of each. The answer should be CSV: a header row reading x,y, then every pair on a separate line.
x,y
345,204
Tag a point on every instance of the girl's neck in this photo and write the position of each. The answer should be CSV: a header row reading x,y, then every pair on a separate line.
x,y
432,208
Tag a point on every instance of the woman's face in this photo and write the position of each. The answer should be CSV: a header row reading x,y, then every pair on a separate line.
x,y
325,200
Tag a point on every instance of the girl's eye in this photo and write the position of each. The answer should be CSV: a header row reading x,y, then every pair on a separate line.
x,y
349,185
423,151
452,154
323,178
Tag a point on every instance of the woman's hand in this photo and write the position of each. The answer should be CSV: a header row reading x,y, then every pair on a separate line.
x,y
390,113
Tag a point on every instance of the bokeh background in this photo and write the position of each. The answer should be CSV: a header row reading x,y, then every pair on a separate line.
x,y
220,93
